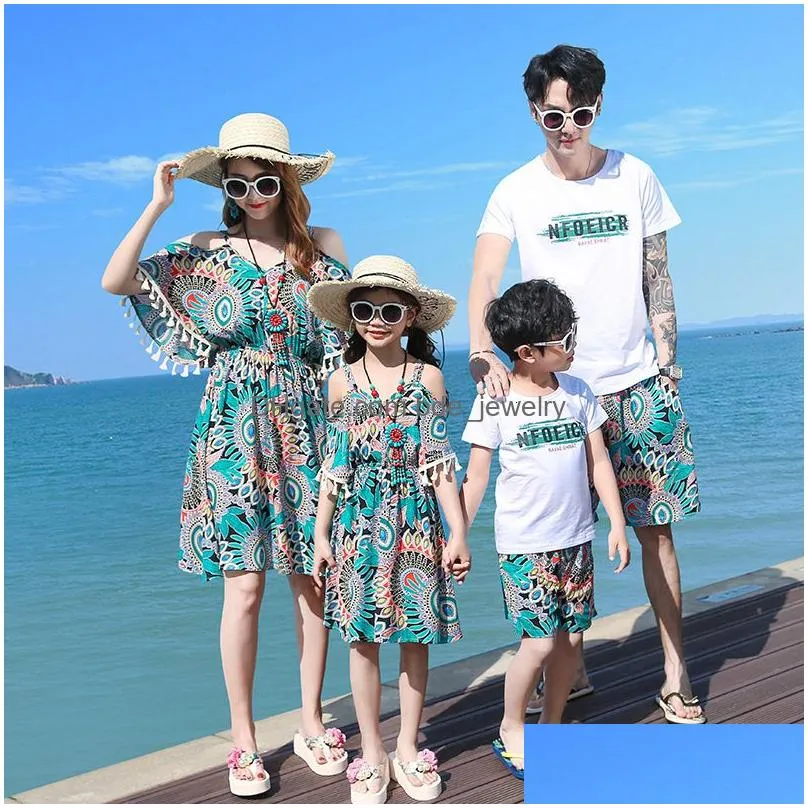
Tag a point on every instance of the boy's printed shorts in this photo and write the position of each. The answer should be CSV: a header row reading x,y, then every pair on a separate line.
x,y
652,453
546,593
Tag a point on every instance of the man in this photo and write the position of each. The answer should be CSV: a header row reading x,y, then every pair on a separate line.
x,y
595,221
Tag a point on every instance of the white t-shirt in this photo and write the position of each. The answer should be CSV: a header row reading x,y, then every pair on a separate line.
x,y
586,236
542,493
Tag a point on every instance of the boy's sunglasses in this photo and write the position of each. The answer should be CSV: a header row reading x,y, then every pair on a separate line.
x,y
566,343
265,187
554,119
391,313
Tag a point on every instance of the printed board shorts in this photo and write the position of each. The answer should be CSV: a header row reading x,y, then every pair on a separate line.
x,y
546,593
649,441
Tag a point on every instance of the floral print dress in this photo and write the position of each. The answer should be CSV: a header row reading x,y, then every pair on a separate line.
x,y
387,534
250,491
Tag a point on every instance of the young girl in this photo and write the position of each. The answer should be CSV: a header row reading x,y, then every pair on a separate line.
x,y
378,529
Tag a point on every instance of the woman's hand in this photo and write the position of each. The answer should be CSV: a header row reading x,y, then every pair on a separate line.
x,y
322,555
164,179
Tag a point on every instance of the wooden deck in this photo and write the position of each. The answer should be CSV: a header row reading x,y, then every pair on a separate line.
x,y
745,661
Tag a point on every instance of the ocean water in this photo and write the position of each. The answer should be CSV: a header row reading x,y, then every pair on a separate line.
x,y
111,652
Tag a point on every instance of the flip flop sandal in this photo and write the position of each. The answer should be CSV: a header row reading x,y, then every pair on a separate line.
x,y
425,762
252,762
670,713
575,693
332,738
359,771
507,759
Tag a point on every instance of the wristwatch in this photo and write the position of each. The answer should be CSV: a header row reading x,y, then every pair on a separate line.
x,y
674,372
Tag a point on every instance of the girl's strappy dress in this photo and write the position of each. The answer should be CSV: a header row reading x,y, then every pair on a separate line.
x,y
387,537
250,492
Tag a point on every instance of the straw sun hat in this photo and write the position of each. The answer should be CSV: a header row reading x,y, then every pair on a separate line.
x,y
252,135
329,299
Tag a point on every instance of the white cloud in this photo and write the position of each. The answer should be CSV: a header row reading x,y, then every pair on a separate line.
x,y
30,228
403,185
105,212
344,163
436,171
732,182
122,170
695,129
51,191
55,184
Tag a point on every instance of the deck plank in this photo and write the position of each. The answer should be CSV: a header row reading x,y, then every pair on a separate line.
x,y
745,660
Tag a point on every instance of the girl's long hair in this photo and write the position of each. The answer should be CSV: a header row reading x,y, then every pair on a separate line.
x,y
294,208
419,343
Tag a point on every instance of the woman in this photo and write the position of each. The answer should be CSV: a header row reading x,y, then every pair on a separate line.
x,y
235,301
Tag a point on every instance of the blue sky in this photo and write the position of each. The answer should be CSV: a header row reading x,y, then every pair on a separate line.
x,y
423,107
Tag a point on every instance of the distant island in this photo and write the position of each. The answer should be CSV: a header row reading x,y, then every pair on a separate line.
x,y
790,322
16,378
735,322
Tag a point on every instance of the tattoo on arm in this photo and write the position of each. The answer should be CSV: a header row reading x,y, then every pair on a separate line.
x,y
657,288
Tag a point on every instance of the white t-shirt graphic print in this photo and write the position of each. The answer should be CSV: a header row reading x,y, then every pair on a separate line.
x,y
586,236
543,501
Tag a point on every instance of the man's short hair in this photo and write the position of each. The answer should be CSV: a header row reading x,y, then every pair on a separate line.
x,y
579,67
528,312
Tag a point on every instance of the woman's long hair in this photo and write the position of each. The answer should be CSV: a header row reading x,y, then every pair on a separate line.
x,y
294,208
419,343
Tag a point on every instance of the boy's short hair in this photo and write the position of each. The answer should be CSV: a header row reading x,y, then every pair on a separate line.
x,y
528,312
579,67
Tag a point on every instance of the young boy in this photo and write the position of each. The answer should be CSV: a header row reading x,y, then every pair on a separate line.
x,y
547,431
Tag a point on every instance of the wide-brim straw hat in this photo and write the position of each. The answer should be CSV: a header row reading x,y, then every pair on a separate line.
x,y
252,135
329,299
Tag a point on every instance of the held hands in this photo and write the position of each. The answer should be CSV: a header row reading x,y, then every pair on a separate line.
x,y
456,559
164,178
619,543
489,374
322,555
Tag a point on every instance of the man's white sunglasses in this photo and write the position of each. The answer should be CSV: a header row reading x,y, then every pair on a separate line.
x,y
554,119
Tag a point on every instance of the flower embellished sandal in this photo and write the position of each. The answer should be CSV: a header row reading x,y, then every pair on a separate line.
x,y
251,764
361,772
332,739
424,763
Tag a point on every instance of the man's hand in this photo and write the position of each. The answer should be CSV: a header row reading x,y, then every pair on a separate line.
x,y
669,383
489,374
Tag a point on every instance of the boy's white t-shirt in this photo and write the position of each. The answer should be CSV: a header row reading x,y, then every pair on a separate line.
x,y
543,500
586,236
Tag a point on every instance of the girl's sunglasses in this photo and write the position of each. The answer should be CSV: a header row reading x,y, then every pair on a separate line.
x,y
554,119
266,187
391,313
567,342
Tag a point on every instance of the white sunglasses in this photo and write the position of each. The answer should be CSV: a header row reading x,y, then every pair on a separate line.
x,y
554,119
266,187
362,311
567,342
